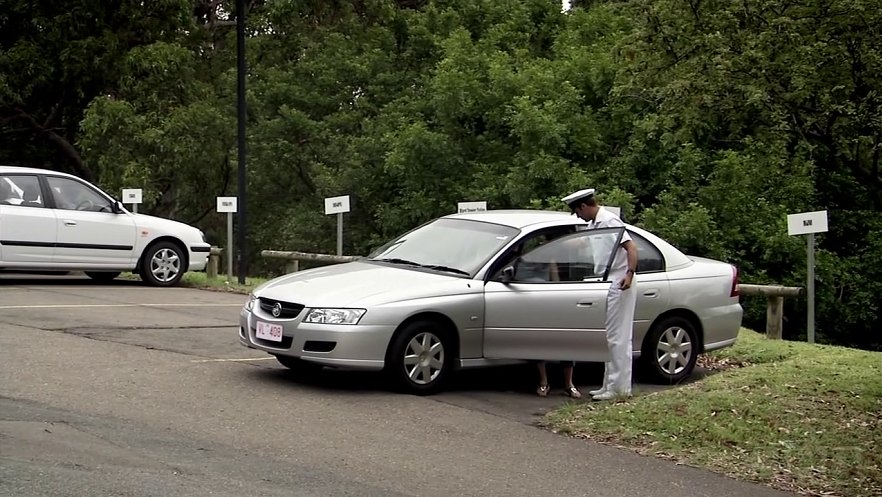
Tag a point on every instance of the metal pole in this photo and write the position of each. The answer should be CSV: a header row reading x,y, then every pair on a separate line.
x,y
135,208
339,233
811,288
240,56
229,246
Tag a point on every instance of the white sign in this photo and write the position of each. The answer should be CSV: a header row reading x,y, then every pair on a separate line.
x,y
336,205
472,206
807,222
227,204
131,196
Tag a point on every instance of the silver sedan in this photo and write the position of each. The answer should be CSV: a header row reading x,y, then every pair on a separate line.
x,y
489,288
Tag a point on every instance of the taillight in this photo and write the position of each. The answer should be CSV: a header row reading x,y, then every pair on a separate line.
x,y
736,291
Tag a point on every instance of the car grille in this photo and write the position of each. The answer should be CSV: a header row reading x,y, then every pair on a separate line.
x,y
289,310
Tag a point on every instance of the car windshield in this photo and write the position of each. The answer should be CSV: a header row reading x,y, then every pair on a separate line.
x,y
457,246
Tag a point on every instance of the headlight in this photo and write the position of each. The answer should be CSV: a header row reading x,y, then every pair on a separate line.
x,y
249,304
334,316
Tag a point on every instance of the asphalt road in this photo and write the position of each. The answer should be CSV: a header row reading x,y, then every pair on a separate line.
x,y
123,390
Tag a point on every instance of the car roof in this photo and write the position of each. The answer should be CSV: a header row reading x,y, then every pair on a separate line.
x,y
31,170
537,219
516,218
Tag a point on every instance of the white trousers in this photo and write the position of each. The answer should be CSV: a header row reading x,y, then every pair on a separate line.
x,y
619,337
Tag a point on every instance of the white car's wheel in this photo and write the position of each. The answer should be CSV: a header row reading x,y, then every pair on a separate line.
x,y
163,264
670,350
420,357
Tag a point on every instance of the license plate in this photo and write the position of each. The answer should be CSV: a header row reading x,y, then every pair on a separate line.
x,y
267,331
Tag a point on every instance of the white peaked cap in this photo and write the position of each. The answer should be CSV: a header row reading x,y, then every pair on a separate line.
x,y
579,195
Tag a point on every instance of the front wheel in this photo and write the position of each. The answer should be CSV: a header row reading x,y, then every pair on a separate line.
x,y
670,350
420,358
163,264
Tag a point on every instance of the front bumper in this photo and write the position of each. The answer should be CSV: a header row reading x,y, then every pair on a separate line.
x,y
199,253
343,346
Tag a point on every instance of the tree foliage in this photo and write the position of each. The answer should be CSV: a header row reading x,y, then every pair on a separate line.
x,y
706,121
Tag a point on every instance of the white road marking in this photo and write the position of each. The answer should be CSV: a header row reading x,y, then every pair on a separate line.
x,y
235,360
92,306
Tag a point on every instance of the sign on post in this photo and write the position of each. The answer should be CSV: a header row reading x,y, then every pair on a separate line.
x,y
338,206
229,205
132,196
809,223
471,206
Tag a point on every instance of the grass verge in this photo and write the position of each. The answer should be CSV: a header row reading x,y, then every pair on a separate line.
x,y
203,282
798,417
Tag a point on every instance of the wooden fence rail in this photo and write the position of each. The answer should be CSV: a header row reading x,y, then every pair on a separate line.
x,y
775,309
293,259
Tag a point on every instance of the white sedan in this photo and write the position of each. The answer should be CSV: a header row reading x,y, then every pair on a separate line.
x,y
55,221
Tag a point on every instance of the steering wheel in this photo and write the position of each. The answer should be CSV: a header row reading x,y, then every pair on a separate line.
x,y
85,205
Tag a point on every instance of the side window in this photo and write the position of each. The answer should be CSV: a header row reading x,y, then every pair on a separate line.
x,y
649,258
582,256
21,190
72,195
534,272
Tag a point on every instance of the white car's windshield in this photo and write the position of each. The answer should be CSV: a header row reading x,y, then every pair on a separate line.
x,y
457,246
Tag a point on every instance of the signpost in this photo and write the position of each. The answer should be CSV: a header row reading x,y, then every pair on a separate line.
x,y
132,196
809,223
471,207
230,206
338,206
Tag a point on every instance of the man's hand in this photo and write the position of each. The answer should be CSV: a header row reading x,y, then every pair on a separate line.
x,y
626,283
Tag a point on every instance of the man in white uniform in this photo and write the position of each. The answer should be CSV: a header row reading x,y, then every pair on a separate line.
x,y
621,300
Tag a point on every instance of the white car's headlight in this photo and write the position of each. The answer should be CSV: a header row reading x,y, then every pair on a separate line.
x,y
249,304
334,316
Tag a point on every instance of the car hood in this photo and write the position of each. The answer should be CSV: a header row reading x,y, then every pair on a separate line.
x,y
167,226
359,284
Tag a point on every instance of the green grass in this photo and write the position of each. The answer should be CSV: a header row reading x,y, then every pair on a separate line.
x,y
202,281
799,417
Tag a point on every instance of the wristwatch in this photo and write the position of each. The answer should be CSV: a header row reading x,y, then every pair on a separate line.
x,y
630,271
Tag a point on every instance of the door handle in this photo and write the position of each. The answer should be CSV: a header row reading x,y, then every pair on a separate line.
x,y
68,222
651,294
586,303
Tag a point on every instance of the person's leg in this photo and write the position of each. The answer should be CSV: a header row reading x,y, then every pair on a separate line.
x,y
571,389
542,391
619,332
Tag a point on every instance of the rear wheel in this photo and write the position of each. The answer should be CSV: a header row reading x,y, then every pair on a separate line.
x,y
670,350
102,276
420,358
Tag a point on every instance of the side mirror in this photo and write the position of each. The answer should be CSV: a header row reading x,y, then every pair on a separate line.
x,y
508,274
116,207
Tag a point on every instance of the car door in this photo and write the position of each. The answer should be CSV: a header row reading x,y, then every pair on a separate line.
x,y
27,226
554,306
90,233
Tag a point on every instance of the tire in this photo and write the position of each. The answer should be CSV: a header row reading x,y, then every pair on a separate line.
x,y
163,264
102,276
669,350
420,358
298,365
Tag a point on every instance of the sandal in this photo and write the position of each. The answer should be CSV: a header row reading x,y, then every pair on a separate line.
x,y
573,392
542,391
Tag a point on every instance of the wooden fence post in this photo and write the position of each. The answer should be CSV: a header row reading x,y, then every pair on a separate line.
x,y
775,310
213,262
292,266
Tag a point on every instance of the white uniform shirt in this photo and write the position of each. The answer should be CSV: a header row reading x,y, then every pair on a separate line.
x,y
606,219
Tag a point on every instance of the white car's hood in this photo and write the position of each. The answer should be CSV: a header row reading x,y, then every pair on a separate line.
x,y
157,225
357,284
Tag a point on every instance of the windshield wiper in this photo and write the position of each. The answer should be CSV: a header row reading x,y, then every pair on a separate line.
x,y
399,261
445,268
426,266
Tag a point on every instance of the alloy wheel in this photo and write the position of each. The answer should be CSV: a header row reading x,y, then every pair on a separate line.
x,y
424,358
